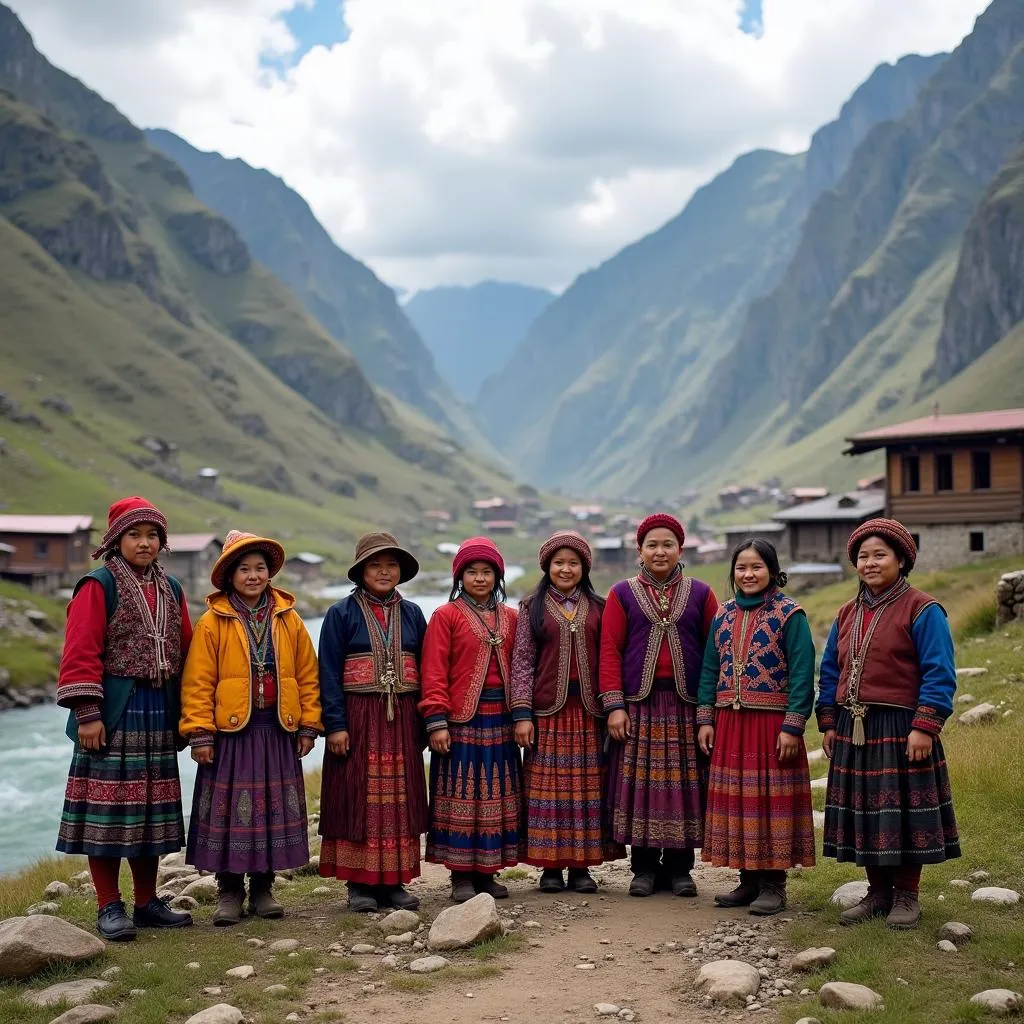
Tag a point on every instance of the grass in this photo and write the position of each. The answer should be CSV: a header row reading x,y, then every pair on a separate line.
x,y
32,659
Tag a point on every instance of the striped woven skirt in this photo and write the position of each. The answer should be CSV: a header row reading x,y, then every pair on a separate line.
x,y
126,801
475,810
249,806
881,810
657,778
563,791
373,801
759,811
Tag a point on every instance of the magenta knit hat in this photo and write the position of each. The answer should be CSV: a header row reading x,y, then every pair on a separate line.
x,y
125,514
660,520
892,532
565,539
477,549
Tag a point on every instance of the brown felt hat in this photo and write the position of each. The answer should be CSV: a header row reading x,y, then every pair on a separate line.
x,y
375,544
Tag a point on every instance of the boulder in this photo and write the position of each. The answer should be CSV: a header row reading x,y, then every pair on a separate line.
x,y
30,944
956,932
72,992
173,860
90,1013
850,894
465,925
999,1001
813,958
399,922
57,891
283,946
166,874
42,908
728,981
428,964
844,995
979,714
222,1013
995,894
202,889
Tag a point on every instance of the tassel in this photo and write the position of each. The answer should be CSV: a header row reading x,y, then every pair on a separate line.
x,y
858,726
391,706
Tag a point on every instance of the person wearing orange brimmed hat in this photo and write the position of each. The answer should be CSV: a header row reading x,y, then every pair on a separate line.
x,y
127,633
373,798
886,687
250,708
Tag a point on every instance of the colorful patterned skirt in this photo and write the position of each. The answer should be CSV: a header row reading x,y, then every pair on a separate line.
x,y
880,809
657,778
373,802
249,806
475,810
563,791
759,811
126,801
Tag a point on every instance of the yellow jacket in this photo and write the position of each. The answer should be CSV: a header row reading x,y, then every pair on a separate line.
x,y
216,685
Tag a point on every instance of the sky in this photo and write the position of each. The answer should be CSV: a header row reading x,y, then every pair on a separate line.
x,y
452,141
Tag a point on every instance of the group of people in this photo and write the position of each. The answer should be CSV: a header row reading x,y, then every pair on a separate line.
x,y
560,733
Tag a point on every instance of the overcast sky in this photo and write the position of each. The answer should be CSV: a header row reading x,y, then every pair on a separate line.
x,y
448,141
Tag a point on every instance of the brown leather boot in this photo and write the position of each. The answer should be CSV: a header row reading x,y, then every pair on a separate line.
x,y
906,911
261,899
230,899
744,894
877,903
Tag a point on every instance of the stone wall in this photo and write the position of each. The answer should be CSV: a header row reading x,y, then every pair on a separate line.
x,y
1010,597
947,545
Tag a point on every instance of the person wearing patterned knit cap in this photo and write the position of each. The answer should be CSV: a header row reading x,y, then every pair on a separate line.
x,y
127,634
559,721
653,633
475,768
250,708
886,687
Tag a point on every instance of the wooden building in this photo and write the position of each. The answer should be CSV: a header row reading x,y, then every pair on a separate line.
x,y
818,531
48,551
956,482
305,566
762,531
190,559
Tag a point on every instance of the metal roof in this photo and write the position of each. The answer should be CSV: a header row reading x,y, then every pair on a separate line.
x,y
190,543
45,524
307,558
815,569
852,506
751,528
955,424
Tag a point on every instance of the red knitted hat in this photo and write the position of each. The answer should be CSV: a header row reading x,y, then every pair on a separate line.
x,y
565,539
664,521
892,532
477,549
129,512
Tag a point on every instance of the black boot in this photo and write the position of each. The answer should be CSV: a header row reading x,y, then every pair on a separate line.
x,y
114,924
772,896
551,880
677,865
644,864
157,914
744,894
396,896
361,899
462,887
490,885
581,880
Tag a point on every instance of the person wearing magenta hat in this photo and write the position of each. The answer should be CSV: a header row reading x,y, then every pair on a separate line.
x,y
127,634
886,687
250,708
475,769
653,633
559,722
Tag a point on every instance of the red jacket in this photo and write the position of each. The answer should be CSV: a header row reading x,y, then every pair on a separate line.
x,y
455,661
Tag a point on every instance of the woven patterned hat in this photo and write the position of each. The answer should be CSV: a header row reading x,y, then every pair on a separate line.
x,y
477,549
565,539
660,520
892,532
375,544
125,514
237,544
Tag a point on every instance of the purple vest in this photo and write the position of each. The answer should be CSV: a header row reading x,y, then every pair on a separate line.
x,y
682,626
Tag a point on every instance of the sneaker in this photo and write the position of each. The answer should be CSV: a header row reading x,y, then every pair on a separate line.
x,y
157,914
683,885
490,885
398,897
361,899
875,904
114,924
642,884
772,897
906,911
581,880
462,887
551,880
744,894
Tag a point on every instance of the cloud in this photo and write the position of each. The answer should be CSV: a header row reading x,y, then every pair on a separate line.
x,y
454,140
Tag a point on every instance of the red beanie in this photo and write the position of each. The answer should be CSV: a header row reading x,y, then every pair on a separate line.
x,y
477,549
125,514
565,539
892,532
660,520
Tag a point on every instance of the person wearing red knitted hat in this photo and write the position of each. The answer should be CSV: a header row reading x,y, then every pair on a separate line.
x,y
886,687
127,634
559,720
653,633
475,769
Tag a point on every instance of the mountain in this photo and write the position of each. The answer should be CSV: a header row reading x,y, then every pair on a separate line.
x,y
612,369
473,331
344,295
141,341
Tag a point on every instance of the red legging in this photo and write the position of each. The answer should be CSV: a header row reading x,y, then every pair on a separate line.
x,y
905,877
104,871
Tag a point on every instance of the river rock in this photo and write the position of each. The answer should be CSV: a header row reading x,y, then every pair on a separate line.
x,y
202,889
42,908
959,883
458,927
57,891
82,878
173,860
391,962
606,1009
246,971
808,1020
970,673
728,981
1000,1001
956,932
29,944
995,894
850,894
283,946
405,939
966,698
73,992
428,964
398,922
185,903
276,990
844,995
222,1013
90,1013
813,958
362,949
167,874
981,875
979,714
945,946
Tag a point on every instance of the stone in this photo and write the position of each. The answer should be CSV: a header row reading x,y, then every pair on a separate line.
x,y
979,714
110,973
222,1013
42,908
970,673
946,946
850,894
194,965
979,876
73,992
30,944
533,925
391,962
89,1013
293,1016
322,890
957,932
202,889
173,860
185,903
821,783
213,990
137,992
808,1020
167,874
276,990
428,964
844,995
1000,1001
362,949
966,698
82,878
728,981
606,1009
813,958
959,883
405,939
995,894
247,971
465,925
256,943
283,946
57,891
399,921
815,756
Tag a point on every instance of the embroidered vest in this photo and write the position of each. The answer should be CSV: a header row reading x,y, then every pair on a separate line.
x,y
366,663
562,640
122,637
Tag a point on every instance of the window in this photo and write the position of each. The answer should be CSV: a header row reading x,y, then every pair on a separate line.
x,y
944,471
981,470
977,540
911,473
916,538
42,548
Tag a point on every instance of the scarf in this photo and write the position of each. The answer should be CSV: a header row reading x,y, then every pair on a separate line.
x,y
143,643
385,641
